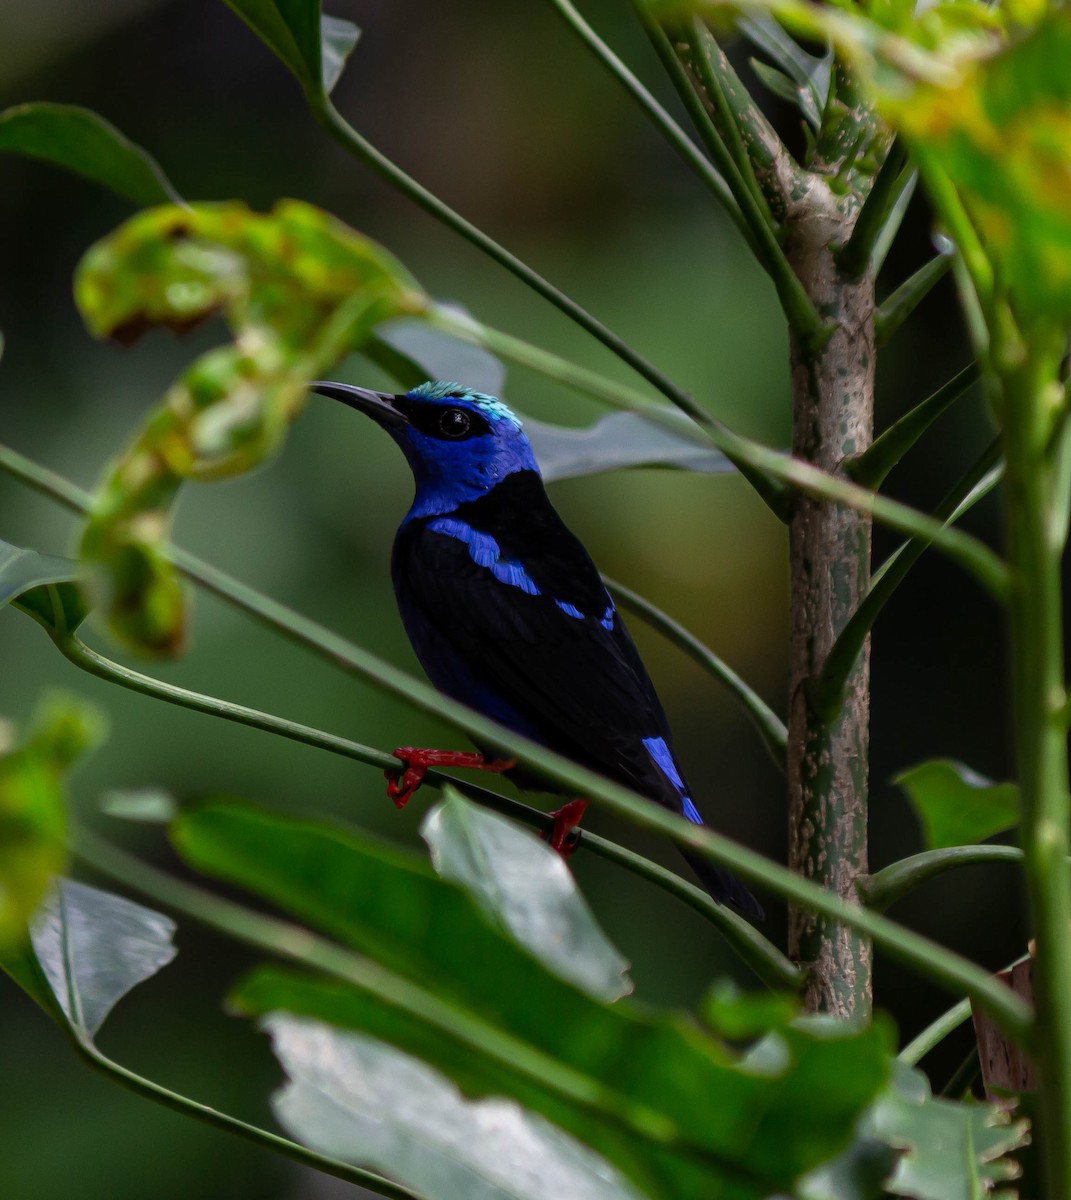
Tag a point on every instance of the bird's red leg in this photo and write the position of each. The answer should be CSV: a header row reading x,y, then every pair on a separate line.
x,y
566,819
415,763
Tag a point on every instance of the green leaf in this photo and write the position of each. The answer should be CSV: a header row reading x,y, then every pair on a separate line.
x,y
299,291
428,353
653,1094
362,1101
527,890
1000,131
313,47
33,808
781,86
808,74
42,585
86,144
955,805
950,1150
94,948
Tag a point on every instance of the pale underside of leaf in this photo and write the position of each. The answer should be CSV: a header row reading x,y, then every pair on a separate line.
x,y
357,1099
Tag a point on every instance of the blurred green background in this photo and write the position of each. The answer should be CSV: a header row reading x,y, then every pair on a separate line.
x,y
500,111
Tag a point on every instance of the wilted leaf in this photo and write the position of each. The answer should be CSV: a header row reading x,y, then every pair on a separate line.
x,y
33,808
298,289
526,888
313,47
362,1101
1002,134
86,144
709,1123
95,947
955,805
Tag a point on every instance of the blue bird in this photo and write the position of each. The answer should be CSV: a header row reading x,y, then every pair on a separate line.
x,y
507,613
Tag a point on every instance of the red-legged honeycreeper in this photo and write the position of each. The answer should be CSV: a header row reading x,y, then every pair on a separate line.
x,y
507,614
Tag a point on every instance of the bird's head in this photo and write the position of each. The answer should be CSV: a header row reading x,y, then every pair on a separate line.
x,y
459,442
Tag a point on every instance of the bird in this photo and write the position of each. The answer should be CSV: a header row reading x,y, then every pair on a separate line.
x,y
507,613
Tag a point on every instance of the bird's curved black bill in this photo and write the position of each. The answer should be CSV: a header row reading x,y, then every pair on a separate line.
x,y
377,405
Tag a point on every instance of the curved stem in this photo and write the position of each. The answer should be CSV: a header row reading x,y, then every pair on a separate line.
x,y
892,883
935,1033
768,963
769,724
252,1133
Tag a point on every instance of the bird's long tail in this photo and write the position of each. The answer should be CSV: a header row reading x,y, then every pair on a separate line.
x,y
724,886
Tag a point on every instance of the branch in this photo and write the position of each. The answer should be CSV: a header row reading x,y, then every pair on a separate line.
x,y
935,1033
871,467
900,304
892,883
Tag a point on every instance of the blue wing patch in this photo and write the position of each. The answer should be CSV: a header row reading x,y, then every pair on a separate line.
x,y
658,750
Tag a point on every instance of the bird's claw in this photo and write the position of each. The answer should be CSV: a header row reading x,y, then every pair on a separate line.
x,y
564,834
415,763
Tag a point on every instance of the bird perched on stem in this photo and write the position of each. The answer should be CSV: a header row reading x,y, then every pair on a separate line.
x,y
507,613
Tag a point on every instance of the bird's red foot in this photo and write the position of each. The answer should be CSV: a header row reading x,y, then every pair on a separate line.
x,y
564,834
415,763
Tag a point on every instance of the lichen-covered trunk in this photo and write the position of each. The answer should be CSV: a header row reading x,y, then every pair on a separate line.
x,y
832,390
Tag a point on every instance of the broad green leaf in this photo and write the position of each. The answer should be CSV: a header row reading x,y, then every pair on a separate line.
x,y
950,1150
914,1145
955,805
1001,132
362,1101
711,1124
95,947
739,1016
33,808
525,888
313,47
86,144
299,291
43,586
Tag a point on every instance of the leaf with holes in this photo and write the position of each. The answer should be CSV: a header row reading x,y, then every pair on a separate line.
x,y
299,291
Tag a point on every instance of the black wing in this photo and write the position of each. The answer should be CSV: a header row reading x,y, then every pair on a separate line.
x,y
532,640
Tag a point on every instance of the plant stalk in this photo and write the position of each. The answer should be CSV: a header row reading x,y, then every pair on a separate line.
x,y
833,420
1031,401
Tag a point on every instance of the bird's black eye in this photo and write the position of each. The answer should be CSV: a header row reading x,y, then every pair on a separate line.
x,y
454,423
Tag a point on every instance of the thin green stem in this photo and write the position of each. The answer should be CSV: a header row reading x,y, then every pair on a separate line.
x,y
658,115
892,883
979,480
935,1033
770,726
1029,388
900,304
872,466
856,256
771,966
252,1133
